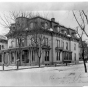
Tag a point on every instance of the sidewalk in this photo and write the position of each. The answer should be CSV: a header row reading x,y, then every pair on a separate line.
x,y
11,68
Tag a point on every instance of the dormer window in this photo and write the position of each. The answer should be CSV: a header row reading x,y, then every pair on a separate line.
x,y
31,25
65,32
44,25
58,29
62,31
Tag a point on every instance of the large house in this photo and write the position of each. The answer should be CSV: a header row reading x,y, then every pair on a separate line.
x,y
60,43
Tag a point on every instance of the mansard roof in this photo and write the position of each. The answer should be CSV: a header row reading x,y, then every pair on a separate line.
x,y
57,24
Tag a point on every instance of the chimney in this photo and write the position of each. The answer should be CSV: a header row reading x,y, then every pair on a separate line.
x,y
53,19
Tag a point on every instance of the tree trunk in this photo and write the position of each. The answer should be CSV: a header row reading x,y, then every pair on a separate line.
x,y
85,66
84,61
18,59
3,66
3,62
39,61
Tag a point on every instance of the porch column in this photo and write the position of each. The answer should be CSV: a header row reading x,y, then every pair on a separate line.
x,y
30,57
21,57
2,58
16,56
61,56
9,57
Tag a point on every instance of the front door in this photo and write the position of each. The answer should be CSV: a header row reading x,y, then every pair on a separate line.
x,y
12,58
46,55
25,56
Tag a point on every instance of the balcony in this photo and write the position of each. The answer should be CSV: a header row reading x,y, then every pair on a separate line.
x,y
59,48
46,47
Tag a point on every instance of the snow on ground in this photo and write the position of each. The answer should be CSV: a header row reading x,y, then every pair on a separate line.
x,y
72,75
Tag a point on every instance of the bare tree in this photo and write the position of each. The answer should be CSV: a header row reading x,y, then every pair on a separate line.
x,y
19,33
18,30
83,48
82,22
38,42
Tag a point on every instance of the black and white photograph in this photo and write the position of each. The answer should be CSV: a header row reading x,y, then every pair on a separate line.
x,y
44,44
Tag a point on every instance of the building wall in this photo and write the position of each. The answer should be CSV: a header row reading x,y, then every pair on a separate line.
x,y
75,51
52,53
3,46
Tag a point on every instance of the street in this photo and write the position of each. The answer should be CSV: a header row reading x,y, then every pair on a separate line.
x,y
71,75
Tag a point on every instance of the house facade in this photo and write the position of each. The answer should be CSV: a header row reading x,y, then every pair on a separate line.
x,y
60,43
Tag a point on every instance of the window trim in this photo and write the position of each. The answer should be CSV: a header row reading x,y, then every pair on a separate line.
x,y
47,53
66,45
45,41
58,55
74,46
62,44
58,43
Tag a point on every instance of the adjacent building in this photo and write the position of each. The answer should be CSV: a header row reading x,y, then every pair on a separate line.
x,y
85,50
3,46
60,42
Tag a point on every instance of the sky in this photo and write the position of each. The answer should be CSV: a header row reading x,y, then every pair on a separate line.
x,y
61,11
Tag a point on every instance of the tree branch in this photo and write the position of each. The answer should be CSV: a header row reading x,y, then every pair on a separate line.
x,y
85,16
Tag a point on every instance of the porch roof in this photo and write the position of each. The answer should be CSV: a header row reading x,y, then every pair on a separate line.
x,y
14,49
21,48
67,51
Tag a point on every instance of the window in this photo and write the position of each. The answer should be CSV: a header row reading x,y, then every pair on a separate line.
x,y
70,56
44,25
16,42
23,58
12,57
33,55
46,55
2,46
58,43
32,41
58,55
74,46
58,29
62,44
31,25
66,45
12,43
67,56
23,42
45,41
75,56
